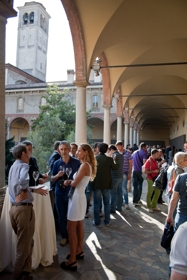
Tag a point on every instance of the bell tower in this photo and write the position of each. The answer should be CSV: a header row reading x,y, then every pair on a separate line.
x,y
32,43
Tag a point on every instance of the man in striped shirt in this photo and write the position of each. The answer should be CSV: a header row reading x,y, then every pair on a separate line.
x,y
127,170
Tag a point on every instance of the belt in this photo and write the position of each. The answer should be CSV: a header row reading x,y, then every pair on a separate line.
x,y
22,204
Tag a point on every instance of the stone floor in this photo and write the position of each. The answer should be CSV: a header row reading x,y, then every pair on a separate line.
x,y
128,249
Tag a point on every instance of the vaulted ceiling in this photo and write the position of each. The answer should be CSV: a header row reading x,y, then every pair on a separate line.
x,y
135,33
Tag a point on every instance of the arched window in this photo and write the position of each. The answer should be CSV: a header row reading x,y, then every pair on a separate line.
x,y
25,18
43,101
31,17
20,104
95,101
41,21
44,24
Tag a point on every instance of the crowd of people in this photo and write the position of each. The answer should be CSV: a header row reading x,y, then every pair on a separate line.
x,y
106,172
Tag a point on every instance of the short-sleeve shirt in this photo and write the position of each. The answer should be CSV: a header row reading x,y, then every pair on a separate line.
x,y
181,187
151,164
127,156
138,158
119,160
178,254
74,164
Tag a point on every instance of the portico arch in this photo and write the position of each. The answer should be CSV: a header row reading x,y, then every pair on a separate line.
x,y
19,128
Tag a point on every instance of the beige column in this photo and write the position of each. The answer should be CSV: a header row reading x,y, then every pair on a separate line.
x,y
126,134
137,137
81,121
119,128
106,131
131,136
134,138
2,100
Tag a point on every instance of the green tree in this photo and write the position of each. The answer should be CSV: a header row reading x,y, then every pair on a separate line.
x,y
9,159
56,105
55,122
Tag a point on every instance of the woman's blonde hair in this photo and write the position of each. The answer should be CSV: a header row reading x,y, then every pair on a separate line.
x,y
179,157
90,159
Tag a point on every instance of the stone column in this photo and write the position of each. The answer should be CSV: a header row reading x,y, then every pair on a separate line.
x,y
81,121
134,138
126,134
138,137
131,136
106,131
8,131
119,128
2,100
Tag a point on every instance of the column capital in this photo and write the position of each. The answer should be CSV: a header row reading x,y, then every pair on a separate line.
x,y
81,83
107,106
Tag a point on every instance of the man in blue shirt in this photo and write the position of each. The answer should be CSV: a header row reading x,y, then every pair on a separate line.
x,y
21,213
61,191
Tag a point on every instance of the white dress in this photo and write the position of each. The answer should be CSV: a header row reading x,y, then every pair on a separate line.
x,y
77,204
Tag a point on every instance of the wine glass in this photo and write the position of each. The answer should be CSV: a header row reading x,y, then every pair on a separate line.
x,y
62,168
48,167
68,171
35,175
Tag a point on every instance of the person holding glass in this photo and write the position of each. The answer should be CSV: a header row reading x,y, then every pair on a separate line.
x,y
22,215
63,169
35,177
77,205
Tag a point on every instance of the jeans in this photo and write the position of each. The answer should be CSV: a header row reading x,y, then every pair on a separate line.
x,y
98,194
179,220
89,191
137,185
152,203
116,194
124,189
61,202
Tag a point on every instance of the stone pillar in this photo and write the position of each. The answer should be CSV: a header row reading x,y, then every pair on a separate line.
x,y
81,121
131,136
138,137
134,138
126,134
106,131
8,131
119,128
2,100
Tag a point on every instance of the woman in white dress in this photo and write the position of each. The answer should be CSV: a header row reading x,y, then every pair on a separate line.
x,y
77,206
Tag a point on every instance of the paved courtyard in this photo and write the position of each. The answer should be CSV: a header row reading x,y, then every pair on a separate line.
x,y
128,249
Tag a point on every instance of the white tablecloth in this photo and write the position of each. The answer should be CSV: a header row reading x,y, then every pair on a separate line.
x,y
44,237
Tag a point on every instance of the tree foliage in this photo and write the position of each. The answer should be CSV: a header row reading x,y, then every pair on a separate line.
x,y
57,106
55,122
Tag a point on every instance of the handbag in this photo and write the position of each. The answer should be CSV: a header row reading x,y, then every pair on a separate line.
x,y
167,236
161,180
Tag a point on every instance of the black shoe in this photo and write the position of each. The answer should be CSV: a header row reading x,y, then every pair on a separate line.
x,y
161,201
69,266
112,211
79,256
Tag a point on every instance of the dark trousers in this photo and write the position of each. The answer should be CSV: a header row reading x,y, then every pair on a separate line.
x,y
137,185
61,203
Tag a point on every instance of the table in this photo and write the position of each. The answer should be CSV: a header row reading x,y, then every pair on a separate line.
x,y
44,236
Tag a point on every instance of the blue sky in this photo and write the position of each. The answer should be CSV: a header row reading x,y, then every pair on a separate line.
x,y
60,48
